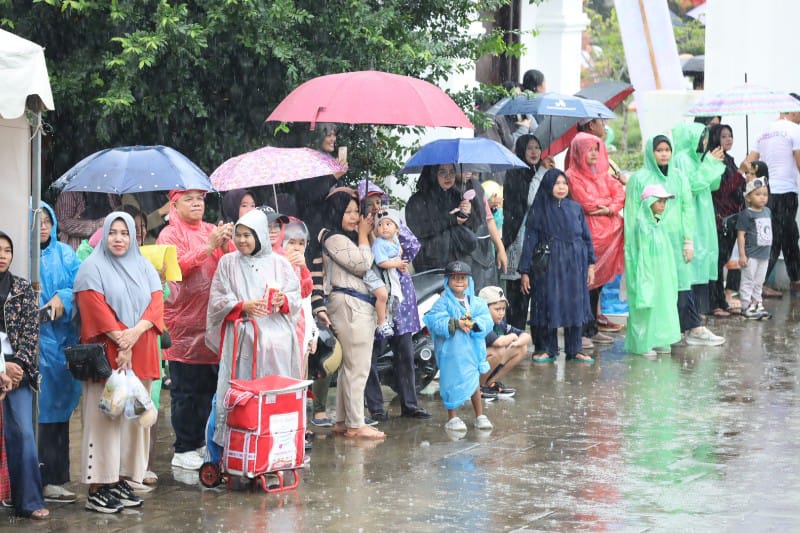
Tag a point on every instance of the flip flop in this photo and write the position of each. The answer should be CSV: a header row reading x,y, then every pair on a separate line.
x,y
579,360
542,360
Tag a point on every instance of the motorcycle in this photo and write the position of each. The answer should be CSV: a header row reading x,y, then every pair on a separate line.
x,y
428,288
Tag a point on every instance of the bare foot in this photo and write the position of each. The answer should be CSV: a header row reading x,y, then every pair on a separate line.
x,y
364,432
339,428
40,514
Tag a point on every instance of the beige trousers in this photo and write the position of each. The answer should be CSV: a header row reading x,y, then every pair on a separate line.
x,y
112,447
354,325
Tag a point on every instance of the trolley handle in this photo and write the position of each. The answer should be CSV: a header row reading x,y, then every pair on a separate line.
x,y
238,322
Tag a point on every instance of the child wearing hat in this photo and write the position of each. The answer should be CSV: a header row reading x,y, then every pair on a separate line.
x,y
506,345
653,323
459,323
754,237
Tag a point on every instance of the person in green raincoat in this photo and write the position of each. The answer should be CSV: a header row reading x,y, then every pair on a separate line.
x,y
678,220
653,317
704,175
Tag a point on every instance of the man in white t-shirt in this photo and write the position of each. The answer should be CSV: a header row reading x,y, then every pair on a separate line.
x,y
779,148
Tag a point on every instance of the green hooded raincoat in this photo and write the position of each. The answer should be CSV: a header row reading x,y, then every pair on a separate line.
x,y
704,177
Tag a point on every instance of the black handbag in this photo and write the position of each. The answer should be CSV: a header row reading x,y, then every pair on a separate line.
x,y
88,362
541,258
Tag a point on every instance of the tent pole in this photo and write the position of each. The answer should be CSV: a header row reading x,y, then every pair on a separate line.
x,y
36,220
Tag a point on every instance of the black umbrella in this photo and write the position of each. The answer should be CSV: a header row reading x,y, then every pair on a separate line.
x,y
695,65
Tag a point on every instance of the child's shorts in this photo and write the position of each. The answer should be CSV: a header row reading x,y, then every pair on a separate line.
x,y
373,279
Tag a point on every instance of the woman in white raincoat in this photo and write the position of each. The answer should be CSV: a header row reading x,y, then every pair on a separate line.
x,y
239,289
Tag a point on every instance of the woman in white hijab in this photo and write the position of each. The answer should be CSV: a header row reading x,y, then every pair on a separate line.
x,y
241,284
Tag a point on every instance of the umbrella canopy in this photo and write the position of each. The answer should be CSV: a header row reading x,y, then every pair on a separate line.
x,y
370,97
556,133
552,104
474,155
695,65
272,166
132,169
744,99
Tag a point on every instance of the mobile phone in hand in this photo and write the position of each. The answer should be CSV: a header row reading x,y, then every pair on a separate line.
x,y
342,154
45,314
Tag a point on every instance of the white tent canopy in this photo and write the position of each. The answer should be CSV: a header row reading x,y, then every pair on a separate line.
x,y
23,73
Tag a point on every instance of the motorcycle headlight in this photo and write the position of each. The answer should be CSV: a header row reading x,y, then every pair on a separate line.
x,y
425,354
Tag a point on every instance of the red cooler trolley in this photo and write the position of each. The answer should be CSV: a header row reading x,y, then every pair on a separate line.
x,y
266,424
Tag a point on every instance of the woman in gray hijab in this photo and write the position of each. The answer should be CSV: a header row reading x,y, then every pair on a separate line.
x,y
253,283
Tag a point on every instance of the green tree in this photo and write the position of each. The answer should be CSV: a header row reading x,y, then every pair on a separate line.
x,y
202,75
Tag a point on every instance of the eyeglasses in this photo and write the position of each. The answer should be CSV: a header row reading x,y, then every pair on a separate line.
x,y
47,222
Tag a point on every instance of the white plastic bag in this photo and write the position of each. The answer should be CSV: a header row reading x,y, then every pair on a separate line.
x,y
139,404
115,394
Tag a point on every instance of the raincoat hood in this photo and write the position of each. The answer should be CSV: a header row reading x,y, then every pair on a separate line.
x,y
578,149
256,220
649,159
127,282
686,137
53,228
174,218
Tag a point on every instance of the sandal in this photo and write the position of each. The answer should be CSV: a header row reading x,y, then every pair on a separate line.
x,y
582,358
542,357
40,514
150,478
339,428
721,313
364,432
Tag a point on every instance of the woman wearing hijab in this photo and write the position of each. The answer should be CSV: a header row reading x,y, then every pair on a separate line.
x,y
728,200
119,296
679,225
347,255
19,337
602,198
704,177
440,219
518,194
560,297
59,392
236,203
192,365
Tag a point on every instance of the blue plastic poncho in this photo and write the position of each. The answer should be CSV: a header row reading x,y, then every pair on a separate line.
x,y
60,392
461,357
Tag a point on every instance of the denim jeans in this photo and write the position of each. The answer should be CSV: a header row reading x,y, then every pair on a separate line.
x,y
23,460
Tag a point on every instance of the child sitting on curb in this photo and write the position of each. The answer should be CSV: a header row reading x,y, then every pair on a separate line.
x,y
506,346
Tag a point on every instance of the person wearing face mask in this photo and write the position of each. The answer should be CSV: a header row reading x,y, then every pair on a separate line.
x,y
119,296
254,282
192,365
19,335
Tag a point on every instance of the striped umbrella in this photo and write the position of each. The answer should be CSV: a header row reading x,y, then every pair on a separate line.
x,y
745,99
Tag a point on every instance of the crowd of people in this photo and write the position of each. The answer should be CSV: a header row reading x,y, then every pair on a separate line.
x,y
342,259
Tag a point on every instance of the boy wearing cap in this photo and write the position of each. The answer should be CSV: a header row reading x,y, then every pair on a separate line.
x,y
506,345
754,237
653,322
459,323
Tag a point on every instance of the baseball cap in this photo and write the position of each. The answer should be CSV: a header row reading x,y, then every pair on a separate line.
x,y
656,190
492,295
754,184
457,267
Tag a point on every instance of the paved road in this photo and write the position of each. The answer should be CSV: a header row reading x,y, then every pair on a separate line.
x,y
707,439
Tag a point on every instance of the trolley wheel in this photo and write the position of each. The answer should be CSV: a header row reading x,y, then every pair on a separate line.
x,y
210,475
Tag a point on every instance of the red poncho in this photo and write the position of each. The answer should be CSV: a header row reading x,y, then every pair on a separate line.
x,y
593,187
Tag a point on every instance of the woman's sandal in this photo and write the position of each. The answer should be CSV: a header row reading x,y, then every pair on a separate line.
x,y
364,432
582,358
339,428
40,514
542,357
721,313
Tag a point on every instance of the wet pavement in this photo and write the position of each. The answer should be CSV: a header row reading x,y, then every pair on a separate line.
x,y
706,439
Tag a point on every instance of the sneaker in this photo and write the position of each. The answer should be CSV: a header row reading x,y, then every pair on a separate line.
x,y
704,338
456,424
586,343
190,460
321,422
602,339
385,330
500,390
763,312
58,494
604,324
482,422
488,394
649,353
752,312
663,349
124,493
370,422
103,501
139,488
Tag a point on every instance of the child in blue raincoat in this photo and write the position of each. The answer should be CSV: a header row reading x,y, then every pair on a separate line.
x,y
459,323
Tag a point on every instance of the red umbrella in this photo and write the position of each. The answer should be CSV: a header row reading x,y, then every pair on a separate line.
x,y
556,134
370,97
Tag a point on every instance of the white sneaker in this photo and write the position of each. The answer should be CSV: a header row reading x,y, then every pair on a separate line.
x,y
188,460
649,353
201,451
58,494
482,422
455,424
704,338
663,349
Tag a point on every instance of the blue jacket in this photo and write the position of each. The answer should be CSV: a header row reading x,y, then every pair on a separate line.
x,y
59,391
461,357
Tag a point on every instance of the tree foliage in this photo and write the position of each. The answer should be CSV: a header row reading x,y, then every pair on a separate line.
x,y
201,76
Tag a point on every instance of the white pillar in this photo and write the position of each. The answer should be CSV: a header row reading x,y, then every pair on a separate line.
x,y
556,48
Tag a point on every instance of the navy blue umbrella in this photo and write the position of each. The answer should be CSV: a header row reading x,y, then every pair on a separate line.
x,y
476,154
551,104
132,169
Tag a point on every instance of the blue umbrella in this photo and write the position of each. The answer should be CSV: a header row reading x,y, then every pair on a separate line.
x,y
473,155
132,169
551,104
